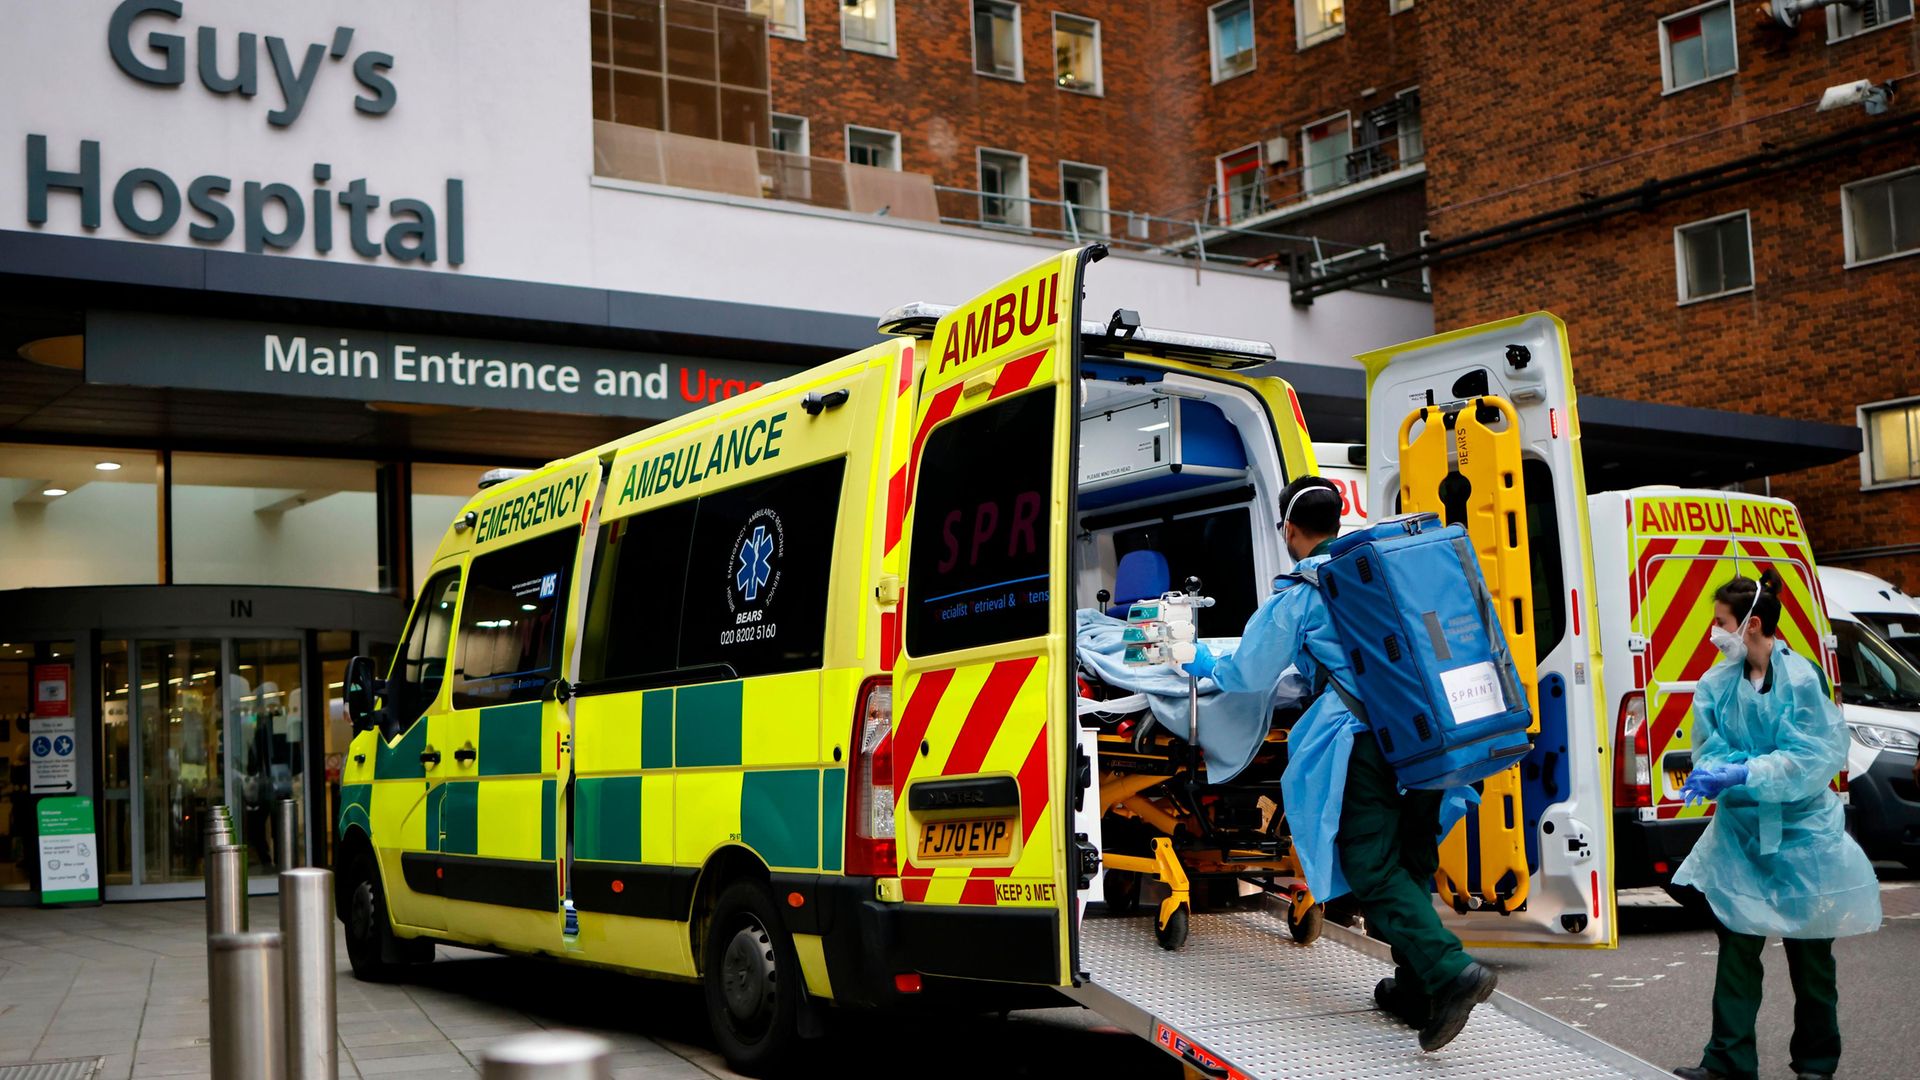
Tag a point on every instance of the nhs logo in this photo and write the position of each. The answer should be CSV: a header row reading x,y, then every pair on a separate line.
x,y
549,585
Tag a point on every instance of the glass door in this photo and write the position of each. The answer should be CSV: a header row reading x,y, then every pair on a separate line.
x,y
119,768
267,741
178,741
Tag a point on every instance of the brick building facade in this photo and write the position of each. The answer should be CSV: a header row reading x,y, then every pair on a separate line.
x,y
1448,118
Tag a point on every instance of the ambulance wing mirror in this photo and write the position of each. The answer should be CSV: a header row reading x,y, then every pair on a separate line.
x,y
359,692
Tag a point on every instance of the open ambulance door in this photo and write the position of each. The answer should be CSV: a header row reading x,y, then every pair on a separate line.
x,y
983,739
1481,426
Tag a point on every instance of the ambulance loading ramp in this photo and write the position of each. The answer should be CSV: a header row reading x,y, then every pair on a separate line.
x,y
1245,1002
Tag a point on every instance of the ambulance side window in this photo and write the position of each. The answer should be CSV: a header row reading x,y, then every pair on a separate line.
x,y
422,664
639,584
509,640
1549,573
982,524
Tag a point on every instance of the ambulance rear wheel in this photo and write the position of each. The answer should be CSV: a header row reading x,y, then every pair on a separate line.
x,y
752,979
1306,928
1174,933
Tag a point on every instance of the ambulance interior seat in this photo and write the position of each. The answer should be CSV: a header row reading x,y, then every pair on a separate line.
x,y
1141,575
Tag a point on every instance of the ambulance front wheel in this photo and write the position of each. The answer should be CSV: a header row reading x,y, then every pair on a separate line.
x,y
752,979
374,951
1173,933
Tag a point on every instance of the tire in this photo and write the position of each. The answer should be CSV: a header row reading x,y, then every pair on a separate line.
x,y
1174,934
1306,929
374,951
752,979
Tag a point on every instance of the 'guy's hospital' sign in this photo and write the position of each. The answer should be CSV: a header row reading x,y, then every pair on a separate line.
x,y
148,42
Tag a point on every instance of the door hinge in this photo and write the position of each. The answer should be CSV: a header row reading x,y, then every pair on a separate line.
x,y
886,591
1636,643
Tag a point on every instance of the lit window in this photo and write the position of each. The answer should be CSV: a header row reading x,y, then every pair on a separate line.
x,y
1891,454
996,39
1714,257
1319,20
1240,189
1882,217
1325,147
869,146
1084,189
1076,54
1398,6
1003,187
1230,32
790,134
1844,22
867,26
1697,45
785,18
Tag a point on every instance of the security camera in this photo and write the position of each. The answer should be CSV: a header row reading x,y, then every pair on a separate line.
x,y
1863,92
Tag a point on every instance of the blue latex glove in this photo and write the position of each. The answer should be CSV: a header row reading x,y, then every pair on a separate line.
x,y
1705,785
1202,664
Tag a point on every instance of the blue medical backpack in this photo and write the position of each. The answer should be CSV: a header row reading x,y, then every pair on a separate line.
x,y
1434,677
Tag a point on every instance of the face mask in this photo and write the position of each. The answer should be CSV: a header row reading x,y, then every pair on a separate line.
x,y
1731,644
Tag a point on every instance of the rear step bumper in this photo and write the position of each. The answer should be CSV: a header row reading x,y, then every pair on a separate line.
x,y
1241,1000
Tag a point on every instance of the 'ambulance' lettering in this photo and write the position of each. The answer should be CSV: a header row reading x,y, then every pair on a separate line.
x,y
995,322
1714,516
744,446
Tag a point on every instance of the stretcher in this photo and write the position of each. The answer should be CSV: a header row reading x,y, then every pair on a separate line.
x,y
1162,820
1465,464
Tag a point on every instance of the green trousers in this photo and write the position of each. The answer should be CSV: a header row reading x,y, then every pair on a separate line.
x,y
1736,1006
1389,853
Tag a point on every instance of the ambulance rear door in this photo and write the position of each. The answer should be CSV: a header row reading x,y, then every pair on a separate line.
x,y
983,740
1559,806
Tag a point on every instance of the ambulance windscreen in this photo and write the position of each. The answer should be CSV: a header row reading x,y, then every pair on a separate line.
x,y
981,554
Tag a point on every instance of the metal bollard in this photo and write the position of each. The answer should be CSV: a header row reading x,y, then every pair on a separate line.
x,y
548,1055
286,834
216,829
306,931
226,890
246,1014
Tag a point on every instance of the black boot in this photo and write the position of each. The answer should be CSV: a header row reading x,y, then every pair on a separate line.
x,y
1405,1004
1452,1005
1697,1072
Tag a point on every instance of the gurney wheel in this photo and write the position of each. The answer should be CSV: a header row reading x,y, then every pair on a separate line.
x,y
1123,892
1306,928
1174,933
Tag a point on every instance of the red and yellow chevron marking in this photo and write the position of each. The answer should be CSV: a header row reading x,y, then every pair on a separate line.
x,y
980,719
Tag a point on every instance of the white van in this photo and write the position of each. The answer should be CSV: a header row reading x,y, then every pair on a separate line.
x,y
1879,604
1881,692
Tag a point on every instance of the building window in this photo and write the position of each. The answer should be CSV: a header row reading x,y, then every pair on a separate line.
x,y
996,39
1084,188
790,134
1319,20
1076,54
1413,143
1398,6
1240,175
867,26
1003,189
1230,33
1844,22
1881,217
691,69
78,516
1697,45
1324,148
1891,454
1714,257
1426,270
275,521
873,147
785,18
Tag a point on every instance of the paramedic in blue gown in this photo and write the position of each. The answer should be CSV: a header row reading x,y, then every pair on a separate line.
x,y
1776,860
1355,830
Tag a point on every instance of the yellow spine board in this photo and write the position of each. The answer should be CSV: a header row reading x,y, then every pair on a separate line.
x,y
1489,461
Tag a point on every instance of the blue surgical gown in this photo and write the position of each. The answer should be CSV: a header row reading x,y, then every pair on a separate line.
x,y
1293,629
1776,858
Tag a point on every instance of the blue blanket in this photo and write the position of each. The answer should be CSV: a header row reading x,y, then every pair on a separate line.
x,y
1232,726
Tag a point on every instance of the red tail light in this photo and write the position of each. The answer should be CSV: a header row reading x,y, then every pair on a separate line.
x,y
870,851
1633,779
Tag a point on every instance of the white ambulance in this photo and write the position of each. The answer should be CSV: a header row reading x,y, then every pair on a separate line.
x,y
1881,691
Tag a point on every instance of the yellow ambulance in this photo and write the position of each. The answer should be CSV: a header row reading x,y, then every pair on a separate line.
x,y
1660,552
778,696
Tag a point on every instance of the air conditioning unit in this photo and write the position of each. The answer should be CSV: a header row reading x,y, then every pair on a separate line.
x,y
1277,149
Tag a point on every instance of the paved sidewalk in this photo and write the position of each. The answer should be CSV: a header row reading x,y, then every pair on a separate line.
x,y
128,983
